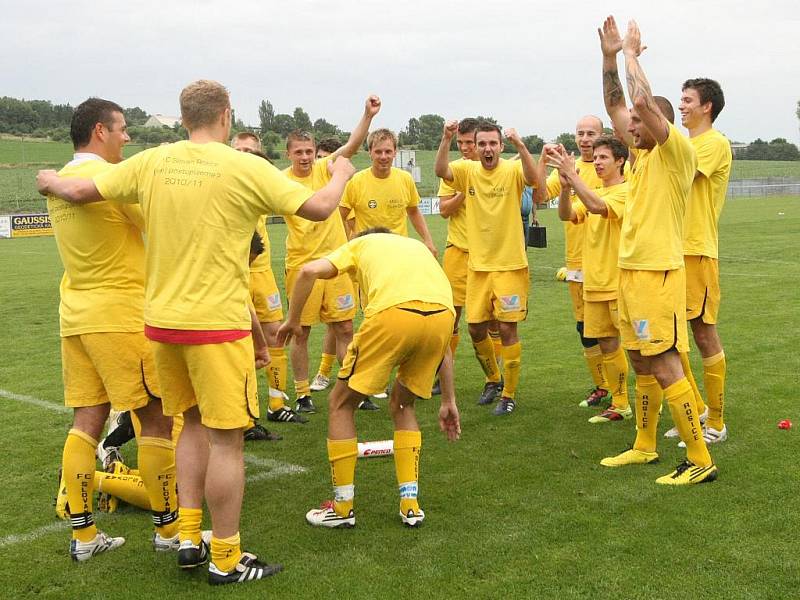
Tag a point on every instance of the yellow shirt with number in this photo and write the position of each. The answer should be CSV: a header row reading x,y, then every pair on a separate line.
x,y
309,240
601,243
494,224
710,185
457,222
101,248
381,202
391,269
201,204
652,229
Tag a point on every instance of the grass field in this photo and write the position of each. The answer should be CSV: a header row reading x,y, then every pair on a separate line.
x,y
19,162
518,508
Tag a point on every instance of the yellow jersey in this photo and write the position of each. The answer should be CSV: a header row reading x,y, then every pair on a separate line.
x,y
652,228
309,240
201,204
391,269
710,185
102,250
494,224
457,222
601,243
381,202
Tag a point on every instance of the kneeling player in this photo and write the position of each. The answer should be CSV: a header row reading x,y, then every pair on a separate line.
x,y
408,321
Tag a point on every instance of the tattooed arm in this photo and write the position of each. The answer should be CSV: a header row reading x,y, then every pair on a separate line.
x,y
613,95
639,88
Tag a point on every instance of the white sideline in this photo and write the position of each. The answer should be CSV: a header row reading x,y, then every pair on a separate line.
x,y
19,538
34,401
270,468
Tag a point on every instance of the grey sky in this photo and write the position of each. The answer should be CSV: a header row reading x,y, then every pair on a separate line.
x,y
532,65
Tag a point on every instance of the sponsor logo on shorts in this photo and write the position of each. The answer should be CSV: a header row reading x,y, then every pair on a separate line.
x,y
345,302
372,204
274,301
510,303
642,329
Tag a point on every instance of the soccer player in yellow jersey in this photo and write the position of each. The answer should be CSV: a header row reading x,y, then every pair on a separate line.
x,y
497,275
106,359
601,211
333,301
408,318
652,280
383,196
701,102
201,201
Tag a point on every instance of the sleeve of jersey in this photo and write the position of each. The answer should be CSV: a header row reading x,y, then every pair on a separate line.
x,y
343,257
276,193
710,156
459,170
580,212
615,203
348,195
678,151
320,176
413,193
553,184
120,182
445,190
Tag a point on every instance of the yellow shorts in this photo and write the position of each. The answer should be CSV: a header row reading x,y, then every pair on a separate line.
x,y
497,295
702,288
600,319
576,295
265,296
220,379
455,267
331,300
412,336
652,311
114,367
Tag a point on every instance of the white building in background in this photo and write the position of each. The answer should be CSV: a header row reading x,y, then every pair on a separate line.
x,y
162,121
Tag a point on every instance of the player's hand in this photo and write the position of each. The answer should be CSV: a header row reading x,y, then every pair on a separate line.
x,y
610,40
450,129
449,421
513,137
43,180
632,44
432,247
262,357
343,166
550,147
372,106
286,331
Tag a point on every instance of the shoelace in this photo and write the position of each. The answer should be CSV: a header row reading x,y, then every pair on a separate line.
x,y
682,467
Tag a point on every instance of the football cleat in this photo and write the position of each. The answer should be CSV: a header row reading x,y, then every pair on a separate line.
x,y
711,435
688,473
630,457
367,404
490,392
249,568
673,432
597,397
505,407
285,415
412,519
106,502
320,382
162,544
82,551
62,505
108,455
326,516
191,556
612,414
259,433
382,395
305,405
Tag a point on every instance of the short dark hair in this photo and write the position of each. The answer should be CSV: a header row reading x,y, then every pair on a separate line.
x,y
256,245
467,125
618,149
709,91
665,106
88,114
488,126
373,230
329,144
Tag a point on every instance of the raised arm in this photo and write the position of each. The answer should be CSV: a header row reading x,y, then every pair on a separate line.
x,y
613,95
442,165
320,206
371,108
529,170
639,88
71,189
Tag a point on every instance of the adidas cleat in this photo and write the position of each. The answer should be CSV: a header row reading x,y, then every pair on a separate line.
x,y
688,473
162,544
285,415
612,414
367,404
249,568
305,405
673,432
326,516
412,519
259,433
711,435
490,392
505,407
190,555
597,397
320,382
630,457
82,551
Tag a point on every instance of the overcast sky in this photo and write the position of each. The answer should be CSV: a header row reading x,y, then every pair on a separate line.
x,y
532,65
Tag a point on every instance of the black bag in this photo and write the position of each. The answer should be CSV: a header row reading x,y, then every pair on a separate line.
x,y
537,236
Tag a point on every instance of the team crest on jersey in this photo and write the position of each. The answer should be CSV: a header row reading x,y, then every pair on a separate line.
x,y
642,329
471,191
372,204
510,303
345,302
274,301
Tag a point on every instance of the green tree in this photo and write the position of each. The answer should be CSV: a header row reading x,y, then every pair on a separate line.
x,y
266,117
533,143
410,135
283,124
135,116
323,129
301,120
430,131
568,141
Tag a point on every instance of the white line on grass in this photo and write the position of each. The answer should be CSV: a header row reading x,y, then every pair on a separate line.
x,y
268,468
20,538
34,401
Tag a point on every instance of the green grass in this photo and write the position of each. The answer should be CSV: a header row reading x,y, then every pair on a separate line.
x,y
519,508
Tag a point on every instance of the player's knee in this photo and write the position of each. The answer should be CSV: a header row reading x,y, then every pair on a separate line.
x,y
585,342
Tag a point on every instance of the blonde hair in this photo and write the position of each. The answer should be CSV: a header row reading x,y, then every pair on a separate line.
x,y
247,135
202,102
381,135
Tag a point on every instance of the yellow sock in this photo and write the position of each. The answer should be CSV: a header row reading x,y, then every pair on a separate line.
x,y
325,364
594,360
77,464
484,351
511,360
128,488
226,552
407,445
454,343
278,368
648,404
190,520
714,368
302,388
700,406
157,465
616,368
343,454
687,420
